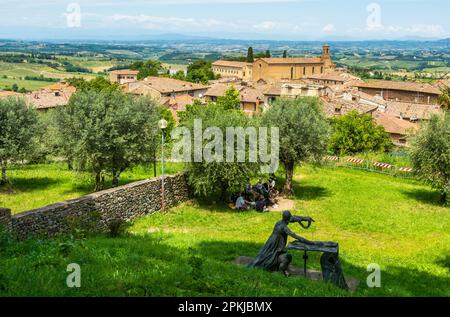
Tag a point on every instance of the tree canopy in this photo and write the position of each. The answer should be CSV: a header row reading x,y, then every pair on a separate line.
x,y
303,131
231,100
358,133
444,98
97,84
214,179
18,127
430,153
250,57
147,68
108,131
200,71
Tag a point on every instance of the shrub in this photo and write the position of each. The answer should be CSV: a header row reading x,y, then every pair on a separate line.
x,y
117,227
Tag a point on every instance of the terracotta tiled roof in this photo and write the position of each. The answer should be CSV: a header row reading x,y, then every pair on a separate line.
x,y
231,64
400,85
393,124
218,90
7,93
125,72
274,89
294,60
247,93
444,83
411,110
177,103
250,94
168,85
47,99
334,76
342,107
61,86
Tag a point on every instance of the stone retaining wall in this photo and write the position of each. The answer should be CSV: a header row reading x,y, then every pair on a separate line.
x,y
97,210
5,217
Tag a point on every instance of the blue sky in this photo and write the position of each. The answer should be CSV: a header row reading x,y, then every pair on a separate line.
x,y
243,19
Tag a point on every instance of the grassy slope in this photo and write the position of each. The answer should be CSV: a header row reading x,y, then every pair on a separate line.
x,y
34,186
188,251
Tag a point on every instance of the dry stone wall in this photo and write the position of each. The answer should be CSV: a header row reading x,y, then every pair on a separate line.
x,y
98,209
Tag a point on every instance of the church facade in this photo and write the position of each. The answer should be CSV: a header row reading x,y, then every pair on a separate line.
x,y
271,70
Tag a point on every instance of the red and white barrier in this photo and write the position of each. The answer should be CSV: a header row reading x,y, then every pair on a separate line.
x,y
332,158
355,160
406,169
382,165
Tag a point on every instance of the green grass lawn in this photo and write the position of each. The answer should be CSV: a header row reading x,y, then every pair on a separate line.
x,y
188,251
34,186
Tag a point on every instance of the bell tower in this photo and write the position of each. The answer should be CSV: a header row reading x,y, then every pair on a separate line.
x,y
326,57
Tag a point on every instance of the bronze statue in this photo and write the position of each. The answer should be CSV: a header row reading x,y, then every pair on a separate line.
x,y
273,255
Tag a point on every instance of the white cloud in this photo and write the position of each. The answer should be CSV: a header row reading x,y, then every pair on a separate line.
x,y
168,23
277,27
423,30
266,25
329,28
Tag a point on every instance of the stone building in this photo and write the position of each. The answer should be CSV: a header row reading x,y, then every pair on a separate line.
x,y
51,96
251,99
411,92
160,87
397,129
290,89
230,69
123,76
271,70
277,69
333,78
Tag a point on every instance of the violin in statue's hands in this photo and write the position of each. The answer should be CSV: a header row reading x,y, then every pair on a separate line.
x,y
301,220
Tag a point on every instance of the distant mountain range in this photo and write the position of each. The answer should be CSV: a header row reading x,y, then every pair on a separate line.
x,y
254,39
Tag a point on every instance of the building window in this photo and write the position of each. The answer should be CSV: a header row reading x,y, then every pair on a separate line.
x,y
304,71
292,72
314,70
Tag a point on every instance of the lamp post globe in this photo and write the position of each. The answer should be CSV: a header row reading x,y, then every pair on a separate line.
x,y
162,124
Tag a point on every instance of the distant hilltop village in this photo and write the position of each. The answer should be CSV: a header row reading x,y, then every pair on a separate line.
x,y
270,70
396,105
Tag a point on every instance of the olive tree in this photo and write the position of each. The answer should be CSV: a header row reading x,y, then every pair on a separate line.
x,y
218,177
303,131
108,131
18,126
430,153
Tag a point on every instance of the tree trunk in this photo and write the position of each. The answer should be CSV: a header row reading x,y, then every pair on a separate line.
x,y
69,165
444,198
3,180
154,163
98,181
287,189
115,180
223,192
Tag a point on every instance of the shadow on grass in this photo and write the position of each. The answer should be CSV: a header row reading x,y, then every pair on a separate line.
x,y
424,196
444,262
306,192
19,184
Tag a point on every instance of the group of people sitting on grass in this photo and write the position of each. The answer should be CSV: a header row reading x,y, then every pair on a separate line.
x,y
259,197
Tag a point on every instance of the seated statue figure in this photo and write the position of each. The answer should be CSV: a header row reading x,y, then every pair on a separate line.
x,y
273,255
